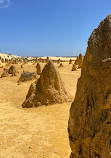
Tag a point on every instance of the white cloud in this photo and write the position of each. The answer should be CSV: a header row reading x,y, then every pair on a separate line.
x,y
4,6
4,3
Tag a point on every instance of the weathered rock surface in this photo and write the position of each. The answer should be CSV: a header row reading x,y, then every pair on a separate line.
x,y
90,113
80,61
38,69
26,76
48,89
47,59
74,68
4,74
76,61
70,61
12,70
61,65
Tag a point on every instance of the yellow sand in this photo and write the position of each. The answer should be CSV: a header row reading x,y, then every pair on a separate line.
x,y
36,132
3,55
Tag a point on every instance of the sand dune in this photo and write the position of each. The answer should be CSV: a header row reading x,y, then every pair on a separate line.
x,y
9,56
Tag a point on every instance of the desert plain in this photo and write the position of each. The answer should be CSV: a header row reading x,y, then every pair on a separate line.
x,y
39,132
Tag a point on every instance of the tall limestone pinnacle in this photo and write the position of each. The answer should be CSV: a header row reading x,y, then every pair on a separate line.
x,y
48,89
90,114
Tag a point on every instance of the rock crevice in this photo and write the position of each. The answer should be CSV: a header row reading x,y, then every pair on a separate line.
x,y
90,113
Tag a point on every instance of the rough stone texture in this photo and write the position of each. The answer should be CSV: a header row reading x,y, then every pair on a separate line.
x,y
12,70
4,74
36,60
47,59
76,61
74,68
5,69
38,69
3,60
40,59
80,61
48,89
70,61
61,65
26,76
90,113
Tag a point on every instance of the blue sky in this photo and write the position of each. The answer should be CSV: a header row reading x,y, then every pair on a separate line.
x,y
49,27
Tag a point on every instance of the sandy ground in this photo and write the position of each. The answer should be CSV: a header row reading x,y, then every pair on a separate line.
x,y
61,58
9,56
36,132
